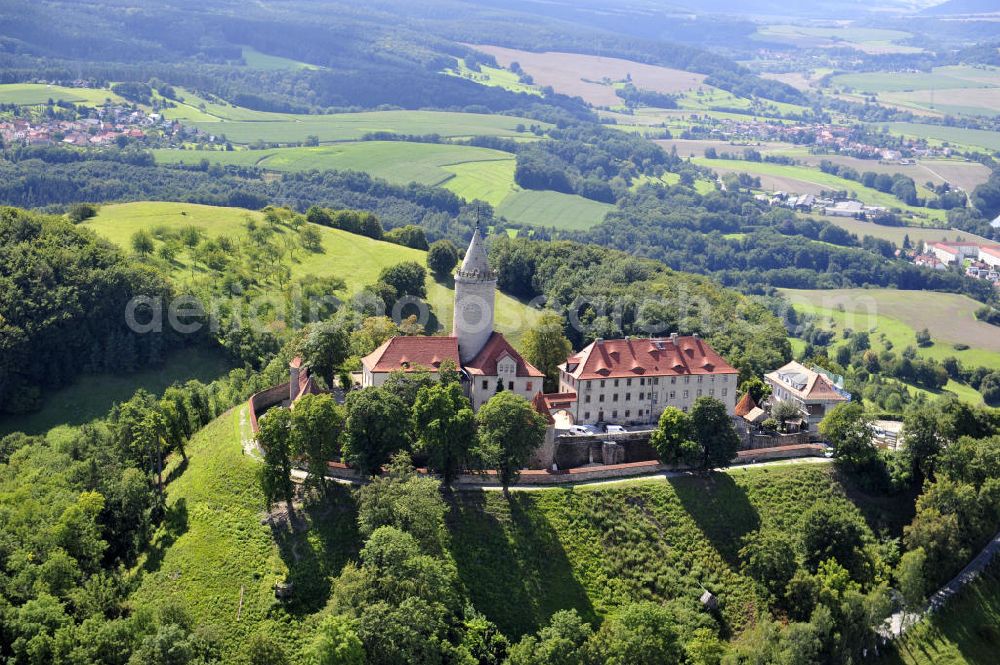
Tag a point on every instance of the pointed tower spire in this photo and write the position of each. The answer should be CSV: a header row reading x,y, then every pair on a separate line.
x,y
475,295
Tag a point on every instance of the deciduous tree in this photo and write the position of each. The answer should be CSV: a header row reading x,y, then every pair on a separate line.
x,y
546,347
510,430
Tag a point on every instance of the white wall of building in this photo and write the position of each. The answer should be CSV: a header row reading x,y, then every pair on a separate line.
x,y
641,400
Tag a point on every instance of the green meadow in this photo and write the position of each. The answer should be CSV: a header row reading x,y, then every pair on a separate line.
x,y
91,396
816,177
898,315
33,94
553,209
493,76
973,138
357,260
399,162
258,60
897,234
876,82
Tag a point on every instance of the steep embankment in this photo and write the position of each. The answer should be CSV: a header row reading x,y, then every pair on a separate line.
x,y
519,560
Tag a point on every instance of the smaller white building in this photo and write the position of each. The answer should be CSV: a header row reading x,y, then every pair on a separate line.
x,y
812,392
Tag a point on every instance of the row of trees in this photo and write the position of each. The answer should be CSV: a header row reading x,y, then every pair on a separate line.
x,y
411,413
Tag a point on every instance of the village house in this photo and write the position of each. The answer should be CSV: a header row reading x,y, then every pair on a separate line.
x,y
631,381
813,392
484,358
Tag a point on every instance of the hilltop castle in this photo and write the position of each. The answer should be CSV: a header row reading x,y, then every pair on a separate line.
x,y
484,358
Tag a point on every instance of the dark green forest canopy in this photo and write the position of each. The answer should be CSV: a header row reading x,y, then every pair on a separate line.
x,y
63,297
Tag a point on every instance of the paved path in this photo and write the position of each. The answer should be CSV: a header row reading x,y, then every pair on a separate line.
x,y
944,594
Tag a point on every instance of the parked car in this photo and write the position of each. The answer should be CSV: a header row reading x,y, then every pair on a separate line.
x,y
615,429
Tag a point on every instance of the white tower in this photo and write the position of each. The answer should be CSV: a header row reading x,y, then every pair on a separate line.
x,y
475,292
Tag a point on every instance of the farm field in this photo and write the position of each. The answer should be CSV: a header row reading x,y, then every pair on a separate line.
x,y
899,315
553,209
245,126
697,147
579,75
962,633
869,40
355,259
896,234
399,162
966,175
491,181
879,82
493,76
977,139
805,180
91,396
258,60
520,559
33,94
969,101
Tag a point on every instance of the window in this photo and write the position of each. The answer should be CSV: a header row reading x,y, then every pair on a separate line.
x,y
687,379
699,392
510,385
627,413
642,380
725,391
587,398
586,415
628,397
628,382
602,383
486,384
614,414
672,394
656,381
616,383
673,380
528,386
687,393
600,398
711,392
642,396
614,398
699,379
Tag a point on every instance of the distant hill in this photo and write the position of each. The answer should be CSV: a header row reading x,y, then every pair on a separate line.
x,y
963,7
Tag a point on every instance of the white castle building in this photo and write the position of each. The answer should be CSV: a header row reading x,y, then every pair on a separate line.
x,y
483,356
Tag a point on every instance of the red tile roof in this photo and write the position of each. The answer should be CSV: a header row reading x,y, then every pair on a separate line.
x,y
745,405
409,354
647,357
497,346
539,403
992,250
805,383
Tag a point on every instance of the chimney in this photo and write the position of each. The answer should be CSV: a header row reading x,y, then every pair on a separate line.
x,y
673,338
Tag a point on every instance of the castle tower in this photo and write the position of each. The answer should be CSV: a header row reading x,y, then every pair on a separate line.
x,y
475,293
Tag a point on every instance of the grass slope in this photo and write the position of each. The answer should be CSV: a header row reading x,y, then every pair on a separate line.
x,y
897,234
92,395
244,126
899,314
972,138
258,60
965,632
355,259
212,550
555,209
520,560
32,94
470,172
817,178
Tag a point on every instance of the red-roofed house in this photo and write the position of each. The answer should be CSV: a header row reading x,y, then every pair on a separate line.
x,y
484,357
812,392
631,381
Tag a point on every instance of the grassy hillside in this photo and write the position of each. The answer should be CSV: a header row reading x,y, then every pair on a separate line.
x,y
258,60
976,139
963,633
355,259
92,395
545,208
899,314
520,560
805,178
31,94
896,234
